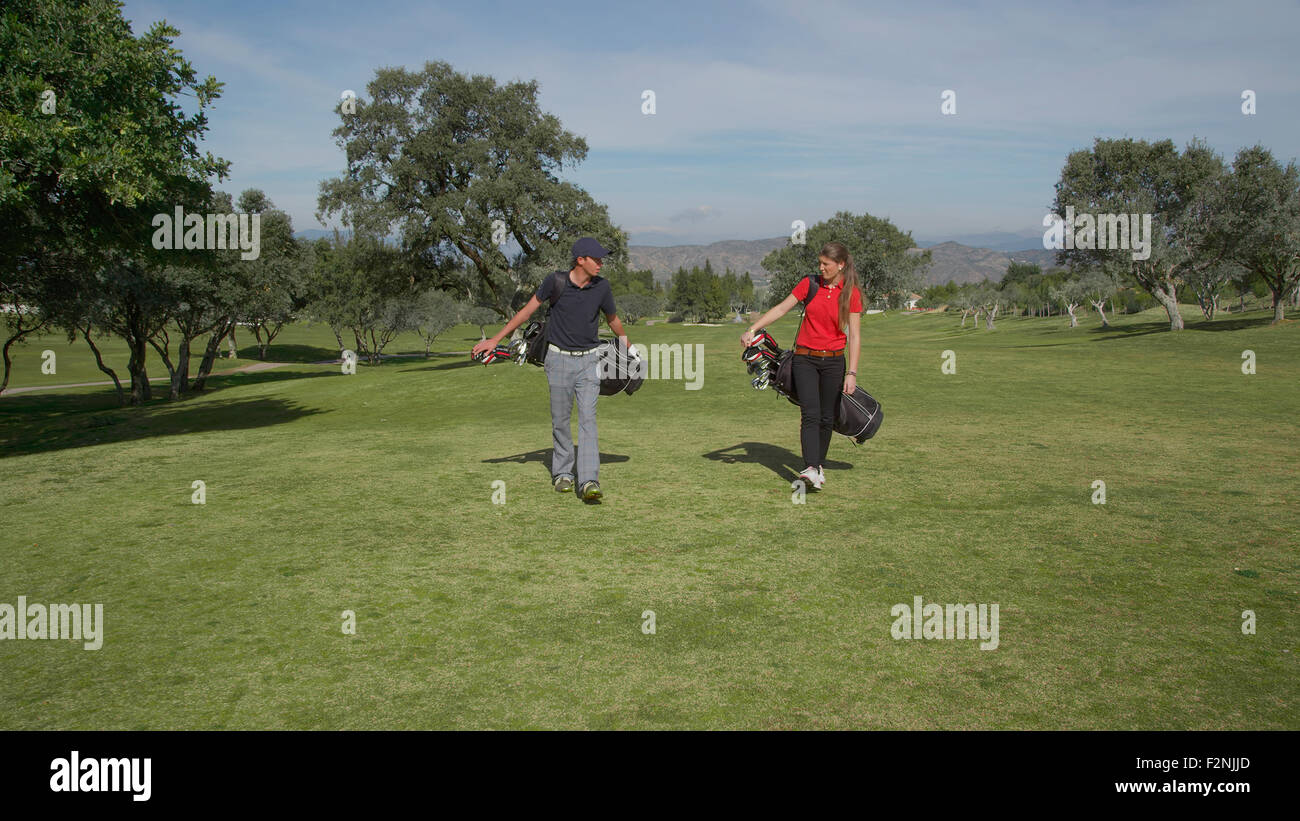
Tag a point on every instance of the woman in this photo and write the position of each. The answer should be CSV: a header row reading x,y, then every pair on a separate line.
x,y
818,366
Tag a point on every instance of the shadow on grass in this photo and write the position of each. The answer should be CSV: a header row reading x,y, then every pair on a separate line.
x,y
1234,324
780,461
457,361
287,353
544,457
1135,329
234,380
40,424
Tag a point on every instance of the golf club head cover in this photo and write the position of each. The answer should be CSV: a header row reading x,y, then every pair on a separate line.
x,y
762,337
500,353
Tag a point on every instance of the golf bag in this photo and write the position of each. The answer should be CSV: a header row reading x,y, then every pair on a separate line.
x,y
535,333
858,416
621,370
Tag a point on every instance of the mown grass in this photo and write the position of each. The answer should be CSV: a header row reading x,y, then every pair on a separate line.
x,y
373,493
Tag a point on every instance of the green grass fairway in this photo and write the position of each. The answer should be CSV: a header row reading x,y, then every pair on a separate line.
x,y
374,493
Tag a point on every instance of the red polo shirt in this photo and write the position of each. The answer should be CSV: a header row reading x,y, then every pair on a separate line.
x,y
821,319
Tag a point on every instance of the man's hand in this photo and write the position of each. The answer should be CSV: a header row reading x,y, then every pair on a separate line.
x,y
483,346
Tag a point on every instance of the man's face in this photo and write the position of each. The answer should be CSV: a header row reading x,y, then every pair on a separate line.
x,y
591,265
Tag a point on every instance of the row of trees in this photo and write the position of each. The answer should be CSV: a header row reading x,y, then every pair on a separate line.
x,y
452,185
700,294
1212,222
1026,289
90,151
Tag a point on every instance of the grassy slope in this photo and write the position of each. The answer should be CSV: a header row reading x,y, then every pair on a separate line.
x,y
373,493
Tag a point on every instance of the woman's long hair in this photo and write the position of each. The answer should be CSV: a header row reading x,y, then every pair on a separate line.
x,y
836,252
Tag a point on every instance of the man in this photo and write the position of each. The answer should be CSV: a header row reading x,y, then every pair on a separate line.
x,y
572,364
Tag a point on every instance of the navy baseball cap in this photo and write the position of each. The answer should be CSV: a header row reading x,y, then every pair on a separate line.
x,y
589,247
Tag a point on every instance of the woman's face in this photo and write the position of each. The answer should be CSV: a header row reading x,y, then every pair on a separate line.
x,y
829,267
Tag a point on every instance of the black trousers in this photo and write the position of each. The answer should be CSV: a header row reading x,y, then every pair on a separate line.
x,y
818,380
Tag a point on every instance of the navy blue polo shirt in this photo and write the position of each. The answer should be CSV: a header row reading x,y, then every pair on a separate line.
x,y
574,323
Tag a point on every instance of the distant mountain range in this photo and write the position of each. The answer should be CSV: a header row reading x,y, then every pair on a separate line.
x,y
951,260
738,254
962,263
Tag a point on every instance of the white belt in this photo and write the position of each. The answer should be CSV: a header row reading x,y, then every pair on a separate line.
x,y
551,346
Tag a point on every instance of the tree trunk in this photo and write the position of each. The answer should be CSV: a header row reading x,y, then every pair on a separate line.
x,y
210,354
19,333
1281,287
1169,300
1101,312
1074,320
181,379
270,336
231,343
140,390
1204,305
174,391
339,336
99,360
8,361
261,346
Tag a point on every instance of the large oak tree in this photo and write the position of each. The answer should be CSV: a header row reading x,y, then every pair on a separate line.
x,y
439,159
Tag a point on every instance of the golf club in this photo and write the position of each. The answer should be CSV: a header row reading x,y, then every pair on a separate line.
x,y
518,351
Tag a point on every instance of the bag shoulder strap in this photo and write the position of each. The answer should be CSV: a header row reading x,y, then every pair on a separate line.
x,y
807,300
813,285
557,287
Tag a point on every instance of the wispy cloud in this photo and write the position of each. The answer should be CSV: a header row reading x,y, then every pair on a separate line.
x,y
774,112
694,216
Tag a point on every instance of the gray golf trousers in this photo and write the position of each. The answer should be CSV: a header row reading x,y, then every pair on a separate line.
x,y
570,376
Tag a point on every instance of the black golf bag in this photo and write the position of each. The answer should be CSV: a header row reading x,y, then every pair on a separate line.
x,y
858,416
621,370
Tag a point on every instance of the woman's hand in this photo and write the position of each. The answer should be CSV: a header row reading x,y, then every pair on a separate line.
x,y
850,384
747,338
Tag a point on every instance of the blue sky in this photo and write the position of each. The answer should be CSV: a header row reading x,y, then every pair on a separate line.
x,y
767,112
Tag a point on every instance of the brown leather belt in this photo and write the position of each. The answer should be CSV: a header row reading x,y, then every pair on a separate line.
x,y
802,351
